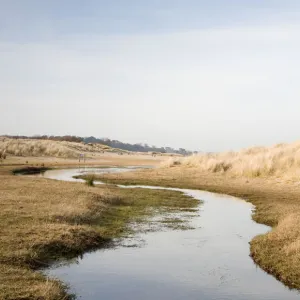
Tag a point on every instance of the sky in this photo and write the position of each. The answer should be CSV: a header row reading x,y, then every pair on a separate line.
x,y
203,75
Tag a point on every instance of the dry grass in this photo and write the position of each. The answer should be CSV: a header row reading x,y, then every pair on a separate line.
x,y
44,220
40,221
65,154
282,160
27,147
277,204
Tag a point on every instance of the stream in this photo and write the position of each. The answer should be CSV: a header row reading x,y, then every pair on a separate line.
x,y
209,262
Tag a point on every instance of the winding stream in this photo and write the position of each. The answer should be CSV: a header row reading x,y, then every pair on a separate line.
x,y
210,262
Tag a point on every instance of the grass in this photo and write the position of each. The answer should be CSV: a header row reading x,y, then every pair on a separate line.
x,y
280,161
90,180
63,149
138,206
277,204
42,221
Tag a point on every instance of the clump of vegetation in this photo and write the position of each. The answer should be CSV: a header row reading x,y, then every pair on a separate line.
x,y
90,180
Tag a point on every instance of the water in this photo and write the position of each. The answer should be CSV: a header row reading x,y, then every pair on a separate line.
x,y
210,262
67,174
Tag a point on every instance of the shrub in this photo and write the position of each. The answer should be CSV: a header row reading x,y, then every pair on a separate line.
x,y
90,181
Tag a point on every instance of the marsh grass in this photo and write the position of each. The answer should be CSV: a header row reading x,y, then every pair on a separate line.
x,y
43,221
178,223
139,205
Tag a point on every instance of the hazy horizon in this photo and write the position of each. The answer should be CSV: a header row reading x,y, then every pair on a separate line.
x,y
202,76
153,145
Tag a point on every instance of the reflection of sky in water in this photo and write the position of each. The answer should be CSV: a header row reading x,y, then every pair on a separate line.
x,y
209,262
67,174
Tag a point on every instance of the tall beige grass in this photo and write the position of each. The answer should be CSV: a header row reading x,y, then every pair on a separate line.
x,y
282,160
28,147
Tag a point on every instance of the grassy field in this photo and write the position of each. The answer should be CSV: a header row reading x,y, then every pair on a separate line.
x,y
43,220
277,204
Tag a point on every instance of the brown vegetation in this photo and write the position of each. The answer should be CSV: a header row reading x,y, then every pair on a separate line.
x,y
40,221
65,149
281,161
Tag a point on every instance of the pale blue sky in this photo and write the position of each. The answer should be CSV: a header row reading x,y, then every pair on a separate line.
x,y
204,75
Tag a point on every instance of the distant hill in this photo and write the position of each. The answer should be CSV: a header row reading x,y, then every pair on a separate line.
x,y
53,148
135,147
104,141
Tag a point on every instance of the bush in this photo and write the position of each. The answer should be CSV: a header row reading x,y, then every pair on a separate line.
x,y
90,181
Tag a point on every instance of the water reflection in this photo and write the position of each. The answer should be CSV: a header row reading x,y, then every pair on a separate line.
x,y
68,174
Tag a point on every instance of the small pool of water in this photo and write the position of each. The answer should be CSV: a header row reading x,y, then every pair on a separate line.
x,y
210,262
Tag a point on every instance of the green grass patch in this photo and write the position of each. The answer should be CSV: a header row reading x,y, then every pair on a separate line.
x,y
138,206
